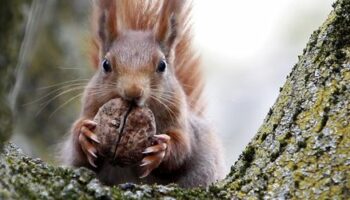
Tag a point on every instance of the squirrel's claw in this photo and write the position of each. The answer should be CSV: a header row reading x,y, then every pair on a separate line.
x,y
86,139
155,154
89,134
91,161
149,163
89,124
162,138
155,148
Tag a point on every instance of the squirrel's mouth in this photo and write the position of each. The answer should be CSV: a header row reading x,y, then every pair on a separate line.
x,y
136,102
140,102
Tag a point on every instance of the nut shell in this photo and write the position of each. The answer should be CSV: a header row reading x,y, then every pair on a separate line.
x,y
137,135
124,131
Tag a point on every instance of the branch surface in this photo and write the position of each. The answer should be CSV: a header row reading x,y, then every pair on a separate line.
x,y
301,151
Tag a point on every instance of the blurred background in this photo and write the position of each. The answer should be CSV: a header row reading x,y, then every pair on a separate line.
x,y
247,47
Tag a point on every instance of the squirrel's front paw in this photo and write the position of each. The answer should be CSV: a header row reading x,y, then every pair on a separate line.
x,y
88,140
154,154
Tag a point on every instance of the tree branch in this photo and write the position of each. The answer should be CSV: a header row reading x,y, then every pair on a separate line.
x,y
301,151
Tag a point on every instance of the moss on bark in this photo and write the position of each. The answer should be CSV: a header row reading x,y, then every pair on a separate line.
x,y
303,148
21,176
301,151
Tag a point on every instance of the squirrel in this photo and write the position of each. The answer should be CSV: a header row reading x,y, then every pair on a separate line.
x,y
142,53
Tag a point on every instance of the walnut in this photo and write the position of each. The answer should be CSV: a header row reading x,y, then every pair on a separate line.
x,y
124,131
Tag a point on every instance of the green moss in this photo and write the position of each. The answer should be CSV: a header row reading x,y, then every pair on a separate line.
x,y
305,137
21,176
300,152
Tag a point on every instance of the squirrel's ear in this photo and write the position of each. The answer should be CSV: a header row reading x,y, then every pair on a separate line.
x,y
168,25
106,28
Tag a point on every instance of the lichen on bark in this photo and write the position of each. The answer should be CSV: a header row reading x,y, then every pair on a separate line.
x,y
301,151
303,148
24,177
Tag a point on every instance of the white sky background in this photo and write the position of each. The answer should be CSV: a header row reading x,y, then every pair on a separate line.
x,y
248,48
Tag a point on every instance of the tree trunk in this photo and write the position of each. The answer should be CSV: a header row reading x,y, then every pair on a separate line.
x,y
12,24
301,151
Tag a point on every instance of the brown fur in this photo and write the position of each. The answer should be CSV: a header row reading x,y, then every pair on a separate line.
x,y
145,15
134,36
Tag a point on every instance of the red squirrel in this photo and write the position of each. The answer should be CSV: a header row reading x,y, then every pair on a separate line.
x,y
143,54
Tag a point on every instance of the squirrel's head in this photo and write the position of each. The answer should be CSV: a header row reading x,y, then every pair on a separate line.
x,y
136,63
135,66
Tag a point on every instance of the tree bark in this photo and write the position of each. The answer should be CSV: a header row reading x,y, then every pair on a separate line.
x,y
301,151
12,24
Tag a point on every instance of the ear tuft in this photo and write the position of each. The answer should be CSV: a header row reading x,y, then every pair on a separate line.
x,y
168,25
106,30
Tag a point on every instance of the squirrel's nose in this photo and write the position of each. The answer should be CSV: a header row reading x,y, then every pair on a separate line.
x,y
133,93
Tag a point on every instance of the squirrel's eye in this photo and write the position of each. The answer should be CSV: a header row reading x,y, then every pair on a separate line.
x,y
106,66
161,66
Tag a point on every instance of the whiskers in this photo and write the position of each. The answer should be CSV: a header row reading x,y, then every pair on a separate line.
x,y
55,91
69,88
167,99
